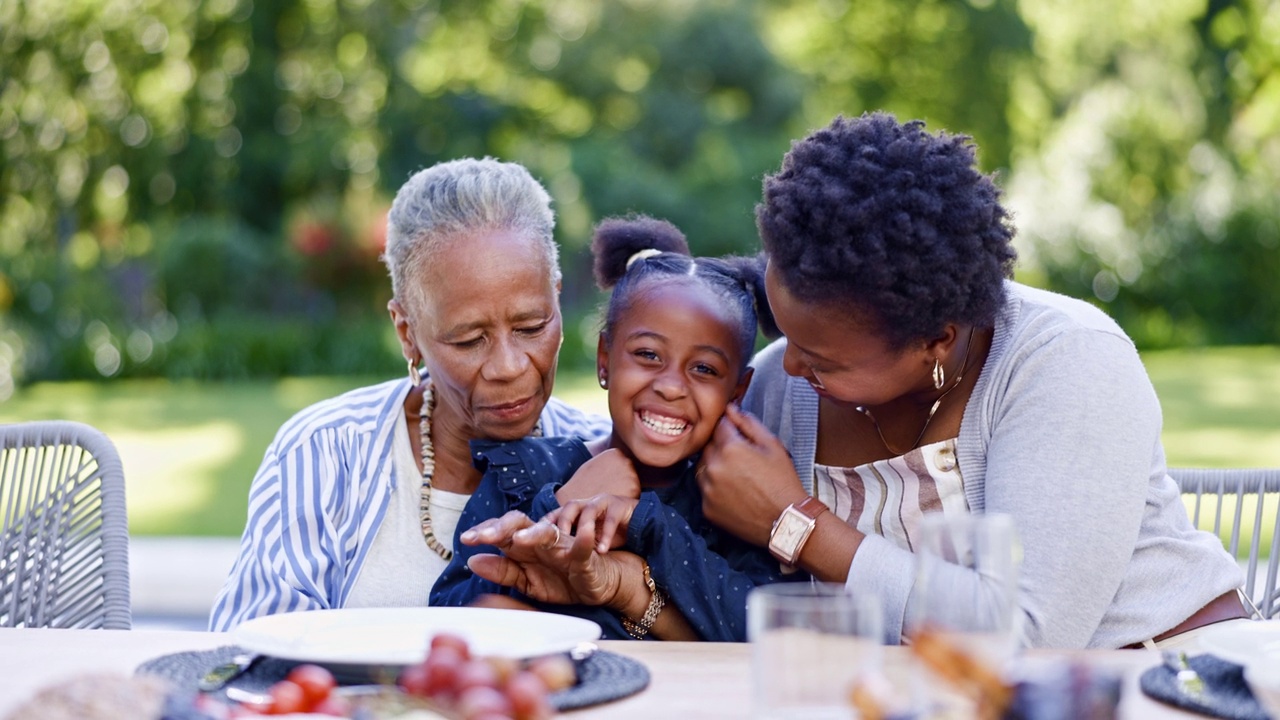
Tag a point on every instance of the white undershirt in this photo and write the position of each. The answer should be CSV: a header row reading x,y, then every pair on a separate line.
x,y
400,569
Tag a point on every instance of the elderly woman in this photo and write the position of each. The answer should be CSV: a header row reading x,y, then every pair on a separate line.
x,y
356,501
916,378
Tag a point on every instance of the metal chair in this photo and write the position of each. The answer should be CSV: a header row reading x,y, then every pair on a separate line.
x,y
1239,487
64,534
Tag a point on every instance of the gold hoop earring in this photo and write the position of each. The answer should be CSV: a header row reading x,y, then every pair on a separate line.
x,y
939,375
415,376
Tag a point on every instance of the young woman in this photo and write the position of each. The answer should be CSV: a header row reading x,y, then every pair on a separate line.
x,y
915,377
673,354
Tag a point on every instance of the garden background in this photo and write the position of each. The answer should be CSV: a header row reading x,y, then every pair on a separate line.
x,y
193,192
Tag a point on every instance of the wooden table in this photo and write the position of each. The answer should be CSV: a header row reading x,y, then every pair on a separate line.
x,y
704,680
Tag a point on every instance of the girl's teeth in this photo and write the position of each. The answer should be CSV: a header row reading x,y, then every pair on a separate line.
x,y
665,427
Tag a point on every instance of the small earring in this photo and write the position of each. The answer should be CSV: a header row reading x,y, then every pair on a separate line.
x,y
939,375
415,376
604,382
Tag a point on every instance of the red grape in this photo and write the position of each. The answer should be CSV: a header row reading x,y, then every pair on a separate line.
x,y
491,688
443,667
480,700
287,697
413,679
528,695
457,642
333,705
315,681
476,673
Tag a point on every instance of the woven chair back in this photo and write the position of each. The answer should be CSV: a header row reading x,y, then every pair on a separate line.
x,y
1231,501
64,534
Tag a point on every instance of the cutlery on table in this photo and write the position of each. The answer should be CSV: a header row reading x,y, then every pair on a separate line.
x,y
244,697
1188,680
219,676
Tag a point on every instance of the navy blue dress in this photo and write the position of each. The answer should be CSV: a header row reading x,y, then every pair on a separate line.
x,y
706,572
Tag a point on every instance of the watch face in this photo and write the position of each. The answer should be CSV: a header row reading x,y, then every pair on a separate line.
x,y
791,528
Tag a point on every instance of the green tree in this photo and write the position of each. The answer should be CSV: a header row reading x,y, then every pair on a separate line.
x,y
181,180
1149,182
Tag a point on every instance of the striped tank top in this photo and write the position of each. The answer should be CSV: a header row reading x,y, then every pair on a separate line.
x,y
888,497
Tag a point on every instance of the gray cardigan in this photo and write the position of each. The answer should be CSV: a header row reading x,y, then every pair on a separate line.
x,y
1062,432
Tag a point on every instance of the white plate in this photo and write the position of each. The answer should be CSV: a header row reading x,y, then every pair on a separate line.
x,y
1250,643
401,636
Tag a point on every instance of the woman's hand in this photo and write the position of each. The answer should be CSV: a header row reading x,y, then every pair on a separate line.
x,y
610,472
609,515
746,477
546,564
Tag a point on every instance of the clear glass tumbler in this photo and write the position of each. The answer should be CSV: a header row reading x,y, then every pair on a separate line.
x,y
810,643
966,586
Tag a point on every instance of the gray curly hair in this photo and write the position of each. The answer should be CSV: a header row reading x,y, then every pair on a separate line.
x,y
456,198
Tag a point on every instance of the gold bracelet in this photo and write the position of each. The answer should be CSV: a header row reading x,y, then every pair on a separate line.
x,y
638,629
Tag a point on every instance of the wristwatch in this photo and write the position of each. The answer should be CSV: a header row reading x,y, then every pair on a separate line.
x,y
792,528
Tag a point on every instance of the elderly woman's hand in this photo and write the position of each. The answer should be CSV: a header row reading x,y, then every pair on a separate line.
x,y
746,477
610,515
546,564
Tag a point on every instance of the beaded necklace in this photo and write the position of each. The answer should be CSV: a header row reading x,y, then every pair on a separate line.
x,y
429,469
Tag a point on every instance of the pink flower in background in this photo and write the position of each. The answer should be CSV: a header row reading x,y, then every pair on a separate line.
x,y
374,238
312,238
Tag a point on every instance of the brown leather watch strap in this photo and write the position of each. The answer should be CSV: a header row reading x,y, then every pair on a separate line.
x,y
811,507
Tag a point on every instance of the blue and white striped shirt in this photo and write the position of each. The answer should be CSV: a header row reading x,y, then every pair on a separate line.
x,y
320,496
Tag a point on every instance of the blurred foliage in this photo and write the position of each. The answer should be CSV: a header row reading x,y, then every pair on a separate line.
x,y
198,187
1149,182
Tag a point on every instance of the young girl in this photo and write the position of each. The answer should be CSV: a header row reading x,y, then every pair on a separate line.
x,y
672,354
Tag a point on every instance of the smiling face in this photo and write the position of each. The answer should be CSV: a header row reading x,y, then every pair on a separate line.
x,y
840,355
673,362
489,331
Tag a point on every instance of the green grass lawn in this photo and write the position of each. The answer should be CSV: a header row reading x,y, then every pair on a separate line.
x,y
190,449
1221,405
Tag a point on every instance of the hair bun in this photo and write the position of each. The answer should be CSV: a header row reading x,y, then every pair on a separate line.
x,y
617,241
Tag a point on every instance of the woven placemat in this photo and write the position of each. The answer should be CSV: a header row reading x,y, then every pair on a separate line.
x,y
602,677
1226,694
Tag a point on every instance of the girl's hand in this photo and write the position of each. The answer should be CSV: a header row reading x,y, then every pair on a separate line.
x,y
609,473
544,563
746,477
609,515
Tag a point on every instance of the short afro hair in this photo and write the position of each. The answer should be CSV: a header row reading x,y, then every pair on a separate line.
x,y
890,221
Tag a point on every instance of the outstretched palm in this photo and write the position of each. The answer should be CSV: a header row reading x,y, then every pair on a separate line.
x,y
545,564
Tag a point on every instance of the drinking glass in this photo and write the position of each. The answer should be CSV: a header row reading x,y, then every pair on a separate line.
x,y
810,642
966,587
